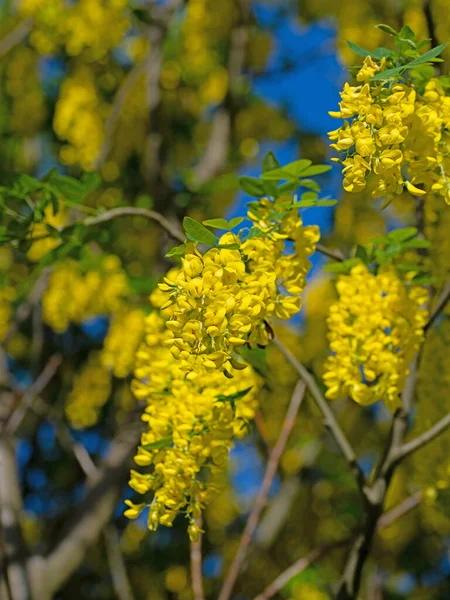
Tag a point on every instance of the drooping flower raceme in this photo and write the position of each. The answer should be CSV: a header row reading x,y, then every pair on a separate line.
x,y
221,300
189,371
191,424
375,328
392,137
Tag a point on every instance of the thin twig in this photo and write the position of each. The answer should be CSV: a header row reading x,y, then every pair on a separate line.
x,y
196,565
329,419
401,509
299,566
425,438
15,37
333,254
36,388
130,211
26,308
431,25
120,99
303,563
439,306
258,506
116,562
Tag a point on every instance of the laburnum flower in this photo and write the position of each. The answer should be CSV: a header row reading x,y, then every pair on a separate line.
x,y
191,426
375,328
393,138
221,300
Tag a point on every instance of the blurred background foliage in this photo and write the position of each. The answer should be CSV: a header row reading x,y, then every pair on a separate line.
x,y
169,102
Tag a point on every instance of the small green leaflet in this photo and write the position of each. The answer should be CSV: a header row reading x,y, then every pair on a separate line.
x,y
358,50
291,171
196,232
270,162
223,223
252,186
387,29
233,397
165,442
342,267
176,251
315,170
427,56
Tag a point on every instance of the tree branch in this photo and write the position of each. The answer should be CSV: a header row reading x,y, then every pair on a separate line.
x,y
376,494
303,563
196,566
131,211
94,512
423,439
117,567
261,499
333,254
439,306
215,153
34,390
16,36
16,573
330,421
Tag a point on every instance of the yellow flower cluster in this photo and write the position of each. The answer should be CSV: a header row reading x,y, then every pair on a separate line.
x,y
90,391
73,296
43,241
375,328
394,138
23,86
79,116
191,423
220,300
91,26
124,336
7,297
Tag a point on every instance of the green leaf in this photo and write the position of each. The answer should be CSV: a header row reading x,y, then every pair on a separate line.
x,y
278,174
342,267
380,53
416,243
358,50
287,187
291,171
90,181
235,222
362,253
270,162
67,187
315,170
311,184
256,357
217,223
427,56
196,232
308,197
387,29
176,251
326,203
254,232
233,397
400,235
252,187
389,73
165,442
406,33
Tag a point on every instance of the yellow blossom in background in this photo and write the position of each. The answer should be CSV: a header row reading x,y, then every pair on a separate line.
x,y
73,296
124,336
375,328
91,390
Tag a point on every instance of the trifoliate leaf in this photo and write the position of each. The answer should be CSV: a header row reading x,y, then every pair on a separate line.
x,y
196,232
